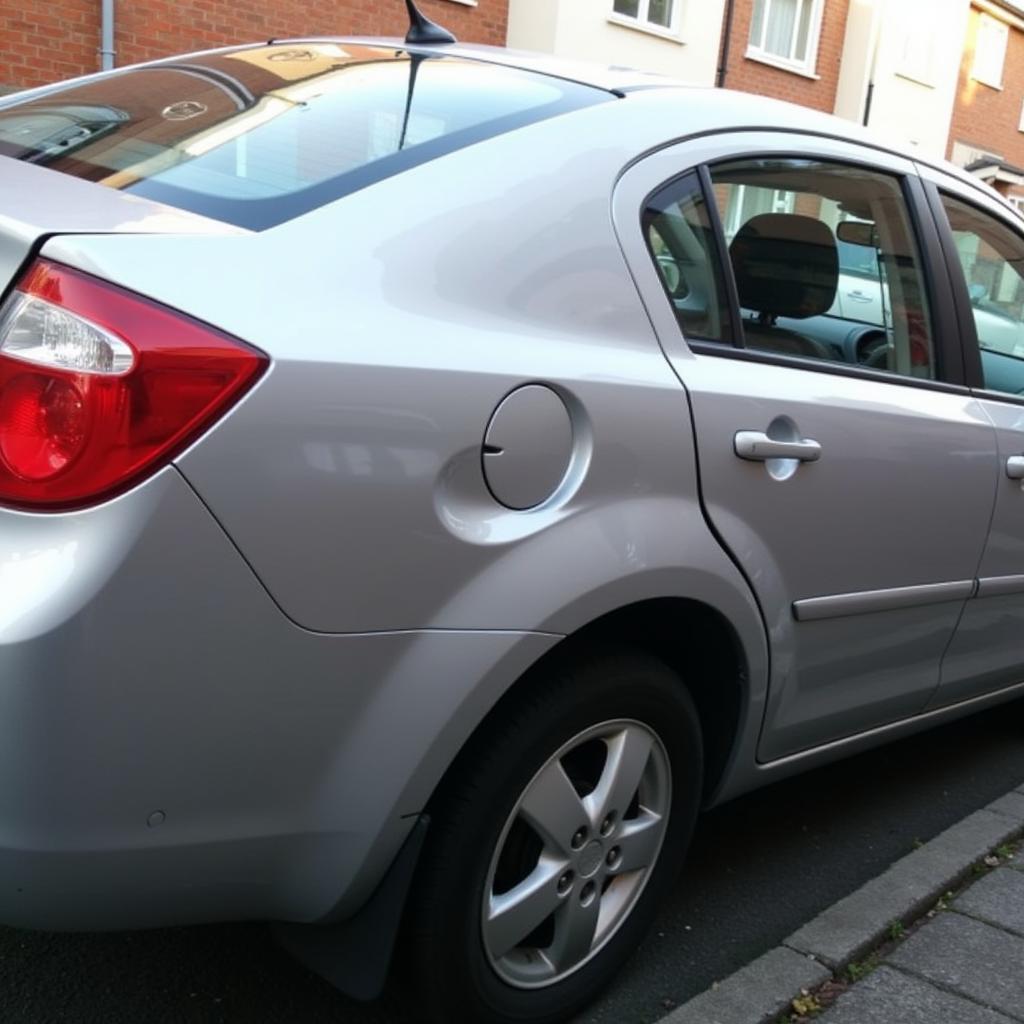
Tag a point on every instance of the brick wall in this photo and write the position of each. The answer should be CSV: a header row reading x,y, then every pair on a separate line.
x,y
753,76
46,40
985,118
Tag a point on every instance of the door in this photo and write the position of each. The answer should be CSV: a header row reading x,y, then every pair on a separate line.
x,y
987,258
851,481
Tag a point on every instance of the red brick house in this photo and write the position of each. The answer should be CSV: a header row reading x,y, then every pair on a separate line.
x,y
987,131
790,52
47,40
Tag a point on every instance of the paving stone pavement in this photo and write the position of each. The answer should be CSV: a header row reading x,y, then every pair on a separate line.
x,y
889,995
962,964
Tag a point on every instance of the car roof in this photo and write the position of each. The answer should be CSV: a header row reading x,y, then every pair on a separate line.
x,y
736,110
612,78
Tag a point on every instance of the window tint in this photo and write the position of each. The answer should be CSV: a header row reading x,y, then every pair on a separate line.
x,y
992,257
257,135
825,264
680,237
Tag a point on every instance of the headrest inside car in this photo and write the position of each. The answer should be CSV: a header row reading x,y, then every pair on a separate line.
x,y
785,264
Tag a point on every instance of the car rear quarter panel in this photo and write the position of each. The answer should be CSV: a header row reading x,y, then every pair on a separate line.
x,y
398,319
173,750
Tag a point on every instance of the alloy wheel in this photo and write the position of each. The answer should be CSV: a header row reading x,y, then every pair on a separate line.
x,y
575,853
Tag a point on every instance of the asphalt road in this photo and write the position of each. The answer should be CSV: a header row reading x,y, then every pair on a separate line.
x,y
760,867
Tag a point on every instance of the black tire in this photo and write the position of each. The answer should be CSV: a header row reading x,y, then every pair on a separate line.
x,y
454,977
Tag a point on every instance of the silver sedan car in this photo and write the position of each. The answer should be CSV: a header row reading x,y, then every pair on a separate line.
x,y
432,474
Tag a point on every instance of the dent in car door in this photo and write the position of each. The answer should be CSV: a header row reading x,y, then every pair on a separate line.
x,y
862,558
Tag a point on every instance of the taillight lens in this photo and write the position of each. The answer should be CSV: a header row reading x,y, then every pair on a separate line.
x,y
100,387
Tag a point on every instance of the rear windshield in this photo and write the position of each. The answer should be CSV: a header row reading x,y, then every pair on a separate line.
x,y
257,136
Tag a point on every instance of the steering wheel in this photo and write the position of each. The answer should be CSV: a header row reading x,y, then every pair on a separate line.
x,y
875,354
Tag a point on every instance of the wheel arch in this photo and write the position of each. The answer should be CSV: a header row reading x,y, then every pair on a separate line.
x,y
724,673
716,671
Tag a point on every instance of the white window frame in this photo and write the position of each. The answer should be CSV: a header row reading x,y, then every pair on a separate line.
x,y
806,66
990,76
642,24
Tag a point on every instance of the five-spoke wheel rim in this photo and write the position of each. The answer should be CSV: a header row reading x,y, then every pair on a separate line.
x,y
576,853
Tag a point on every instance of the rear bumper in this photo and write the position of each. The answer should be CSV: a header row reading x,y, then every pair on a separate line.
x,y
173,749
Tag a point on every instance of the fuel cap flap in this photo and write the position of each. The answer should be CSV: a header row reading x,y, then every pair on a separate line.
x,y
527,447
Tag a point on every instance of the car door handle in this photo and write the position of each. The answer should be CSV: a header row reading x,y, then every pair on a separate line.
x,y
1015,467
858,296
756,446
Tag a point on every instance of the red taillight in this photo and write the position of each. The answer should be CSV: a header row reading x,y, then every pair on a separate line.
x,y
100,387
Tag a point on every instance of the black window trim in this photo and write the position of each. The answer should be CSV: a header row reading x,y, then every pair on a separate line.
x,y
950,371
721,255
948,349
724,351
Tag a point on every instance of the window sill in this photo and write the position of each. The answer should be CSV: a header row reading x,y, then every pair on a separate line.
x,y
916,79
648,30
783,65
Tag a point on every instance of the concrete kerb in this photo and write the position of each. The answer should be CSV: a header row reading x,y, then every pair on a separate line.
x,y
858,923
764,990
1012,805
756,994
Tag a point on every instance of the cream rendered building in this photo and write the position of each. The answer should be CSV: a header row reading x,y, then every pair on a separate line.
x,y
901,60
898,73
680,38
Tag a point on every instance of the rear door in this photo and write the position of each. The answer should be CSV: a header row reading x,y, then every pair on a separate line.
x,y
852,484
985,248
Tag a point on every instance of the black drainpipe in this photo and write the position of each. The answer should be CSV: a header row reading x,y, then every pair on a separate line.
x,y
723,56
867,102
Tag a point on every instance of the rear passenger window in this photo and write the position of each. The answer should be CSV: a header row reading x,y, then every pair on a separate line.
x,y
992,257
825,263
681,239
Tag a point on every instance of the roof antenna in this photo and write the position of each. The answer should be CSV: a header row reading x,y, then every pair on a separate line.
x,y
423,30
